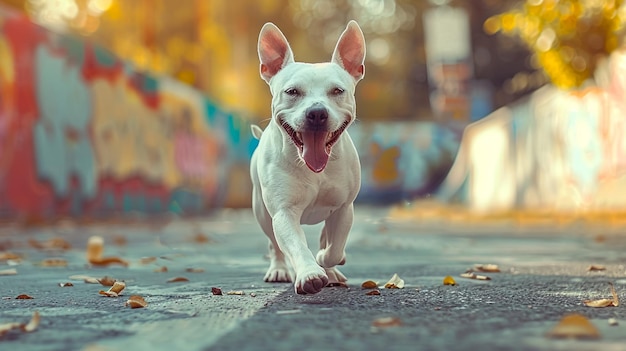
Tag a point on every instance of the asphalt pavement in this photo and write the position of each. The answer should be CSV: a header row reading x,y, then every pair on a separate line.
x,y
544,275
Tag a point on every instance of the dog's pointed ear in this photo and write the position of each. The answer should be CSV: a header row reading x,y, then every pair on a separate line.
x,y
350,51
274,51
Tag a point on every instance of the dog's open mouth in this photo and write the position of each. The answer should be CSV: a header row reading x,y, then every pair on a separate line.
x,y
314,147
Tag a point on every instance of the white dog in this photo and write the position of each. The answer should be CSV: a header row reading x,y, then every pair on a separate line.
x,y
306,169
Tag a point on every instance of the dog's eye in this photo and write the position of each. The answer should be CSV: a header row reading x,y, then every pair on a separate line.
x,y
337,91
292,92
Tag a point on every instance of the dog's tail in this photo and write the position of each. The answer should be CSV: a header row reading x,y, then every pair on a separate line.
x,y
256,131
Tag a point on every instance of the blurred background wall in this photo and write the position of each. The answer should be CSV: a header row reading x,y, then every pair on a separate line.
x,y
115,107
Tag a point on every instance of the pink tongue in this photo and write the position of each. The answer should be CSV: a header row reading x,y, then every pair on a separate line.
x,y
314,150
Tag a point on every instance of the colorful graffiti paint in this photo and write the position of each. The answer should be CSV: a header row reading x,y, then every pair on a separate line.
x,y
403,160
84,134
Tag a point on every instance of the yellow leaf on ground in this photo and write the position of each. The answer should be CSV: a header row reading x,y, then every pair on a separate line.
x,y
448,280
574,326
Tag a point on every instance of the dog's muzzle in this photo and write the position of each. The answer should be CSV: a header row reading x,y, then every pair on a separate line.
x,y
314,141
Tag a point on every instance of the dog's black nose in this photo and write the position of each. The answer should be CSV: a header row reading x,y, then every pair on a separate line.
x,y
316,115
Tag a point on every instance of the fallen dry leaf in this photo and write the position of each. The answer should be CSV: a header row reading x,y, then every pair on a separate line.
x,y
201,238
14,262
106,281
216,291
178,280
24,297
58,243
118,287
369,284
33,324
194,270
395,282
373,292
574,326
472,275
604,302
136,301
386,322
115,290
10,271
235,292
52,244
63,285
107,261
53,262
147,260
599,303
596,268
95,250
487,268
25,327
448,280
162,269
7,327
6,256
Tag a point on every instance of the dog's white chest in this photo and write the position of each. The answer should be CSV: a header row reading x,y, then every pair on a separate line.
x,y
327,201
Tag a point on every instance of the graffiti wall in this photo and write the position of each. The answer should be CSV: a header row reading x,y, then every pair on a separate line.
x,y
83,133
555,150
401,161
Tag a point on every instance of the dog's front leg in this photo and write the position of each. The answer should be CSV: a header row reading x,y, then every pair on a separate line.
x,y
333,242
310,277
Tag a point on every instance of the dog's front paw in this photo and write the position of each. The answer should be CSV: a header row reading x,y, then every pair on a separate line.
x,y
311,281
278,274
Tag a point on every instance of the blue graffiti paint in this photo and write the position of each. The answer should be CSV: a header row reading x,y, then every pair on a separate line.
x,y
62,142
